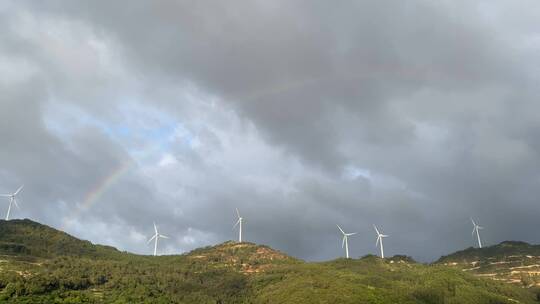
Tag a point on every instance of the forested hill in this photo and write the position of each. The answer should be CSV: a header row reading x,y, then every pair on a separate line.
x,y
28,238
41,265
510,261
504,249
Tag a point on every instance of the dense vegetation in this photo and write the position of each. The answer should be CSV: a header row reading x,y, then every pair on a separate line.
x,y
512,262
34,269
25,237
504,249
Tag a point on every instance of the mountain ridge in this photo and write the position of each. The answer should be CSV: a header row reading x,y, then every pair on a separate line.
x,y
513,262
77,272
44,241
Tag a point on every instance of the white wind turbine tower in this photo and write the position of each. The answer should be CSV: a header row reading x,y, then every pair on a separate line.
x,y
380,237
476,229
12,200
345,241
155,238
239,222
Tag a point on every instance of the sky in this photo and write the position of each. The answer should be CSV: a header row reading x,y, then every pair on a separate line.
x,y
411,115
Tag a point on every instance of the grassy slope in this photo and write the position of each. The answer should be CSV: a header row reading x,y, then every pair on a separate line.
x,y
25,237
77,271
512,262
504,249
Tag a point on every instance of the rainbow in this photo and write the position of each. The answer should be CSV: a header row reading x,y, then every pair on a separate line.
x,y
108,181
99,189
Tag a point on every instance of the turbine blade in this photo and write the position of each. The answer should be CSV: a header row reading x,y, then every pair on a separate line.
x,y
163,236
384,235
18,190
15,202
153,237
473,222
480,227
155,228
238,222
377,242
237,213
349,234
473,230
376,230
340,229
5,195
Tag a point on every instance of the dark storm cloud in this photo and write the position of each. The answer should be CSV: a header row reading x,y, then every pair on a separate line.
x,y
435,100
32,156
290,66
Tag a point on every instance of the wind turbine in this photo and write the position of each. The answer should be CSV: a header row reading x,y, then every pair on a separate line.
x,y
380,237
345,241
12,200
155,238
476,229
239,222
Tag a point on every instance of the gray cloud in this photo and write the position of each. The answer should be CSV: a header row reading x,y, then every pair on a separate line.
x,y
301,114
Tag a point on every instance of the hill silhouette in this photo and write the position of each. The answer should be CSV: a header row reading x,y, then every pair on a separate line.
x,y
510,261
25,237
39,264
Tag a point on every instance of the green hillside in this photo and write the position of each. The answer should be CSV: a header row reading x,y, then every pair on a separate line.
x,y
511,262
34,269
28,238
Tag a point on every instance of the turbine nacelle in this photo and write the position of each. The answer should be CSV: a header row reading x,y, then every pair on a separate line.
x,y
380,237
345,238
12,200
239,222
155,238
344,242
477,228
